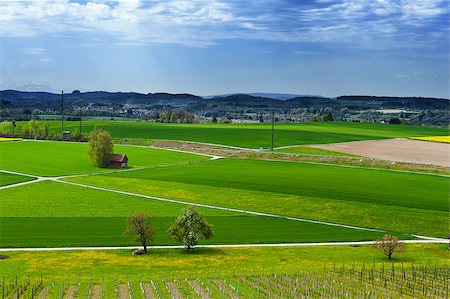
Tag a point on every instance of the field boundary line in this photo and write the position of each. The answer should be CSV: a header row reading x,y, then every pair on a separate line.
x,y
350,243
219,207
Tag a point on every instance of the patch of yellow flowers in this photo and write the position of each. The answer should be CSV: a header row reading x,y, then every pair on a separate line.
x,y
445,139
10,139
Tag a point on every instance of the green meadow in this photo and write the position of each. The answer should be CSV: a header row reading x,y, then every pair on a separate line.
x,y
63,158
253,135
9,179
121,265
380,199
53,214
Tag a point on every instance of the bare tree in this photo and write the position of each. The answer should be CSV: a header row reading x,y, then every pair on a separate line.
x,y
388,245
140,225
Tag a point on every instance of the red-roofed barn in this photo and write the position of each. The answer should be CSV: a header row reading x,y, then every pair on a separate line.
x,y
118,161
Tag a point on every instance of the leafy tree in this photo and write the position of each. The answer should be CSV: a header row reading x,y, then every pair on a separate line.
x,y
100,147
388,245
140,225
189,228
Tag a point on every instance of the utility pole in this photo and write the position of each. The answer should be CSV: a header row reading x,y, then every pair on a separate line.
x,y
81,112
62,111
273,127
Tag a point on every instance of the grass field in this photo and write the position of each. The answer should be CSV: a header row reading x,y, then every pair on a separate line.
x,y
9,179
122,265
254,135
66,215
61,158
329,193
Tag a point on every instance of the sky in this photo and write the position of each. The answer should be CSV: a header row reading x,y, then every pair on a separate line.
x,y
210,47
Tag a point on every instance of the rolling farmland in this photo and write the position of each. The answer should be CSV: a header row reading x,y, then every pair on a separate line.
x,y
254,135
339,194
248,202
259,271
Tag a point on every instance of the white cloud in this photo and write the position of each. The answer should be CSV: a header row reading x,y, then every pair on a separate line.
x,y
33,51
204,22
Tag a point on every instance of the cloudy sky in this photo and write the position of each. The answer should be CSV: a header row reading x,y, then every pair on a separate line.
x,y
321,47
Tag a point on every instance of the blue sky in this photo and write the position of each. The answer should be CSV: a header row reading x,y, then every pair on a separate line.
x,y
321,47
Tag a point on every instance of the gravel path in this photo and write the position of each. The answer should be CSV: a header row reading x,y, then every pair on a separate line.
x,y
427,241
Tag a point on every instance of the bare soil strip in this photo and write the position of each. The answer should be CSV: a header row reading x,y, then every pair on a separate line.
x,y
174,290
149,293
71,292
225,289
199,289
398,150
44,292
123,291
96,292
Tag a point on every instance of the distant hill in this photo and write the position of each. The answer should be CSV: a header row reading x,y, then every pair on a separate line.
x,y
275,96
196,103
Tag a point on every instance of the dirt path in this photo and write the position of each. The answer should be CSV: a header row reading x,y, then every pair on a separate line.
x,y
174,290
199,289
71,292
123,291
96,292
225,289
149,293
397,150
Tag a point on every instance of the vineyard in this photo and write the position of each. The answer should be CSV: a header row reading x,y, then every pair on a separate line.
x,y
334,281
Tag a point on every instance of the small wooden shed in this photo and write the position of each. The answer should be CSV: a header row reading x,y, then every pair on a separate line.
x,y
118,161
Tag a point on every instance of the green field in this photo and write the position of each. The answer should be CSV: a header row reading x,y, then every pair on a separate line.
x,y
122,265
65,158
66,215
9,179
254,135
330,193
